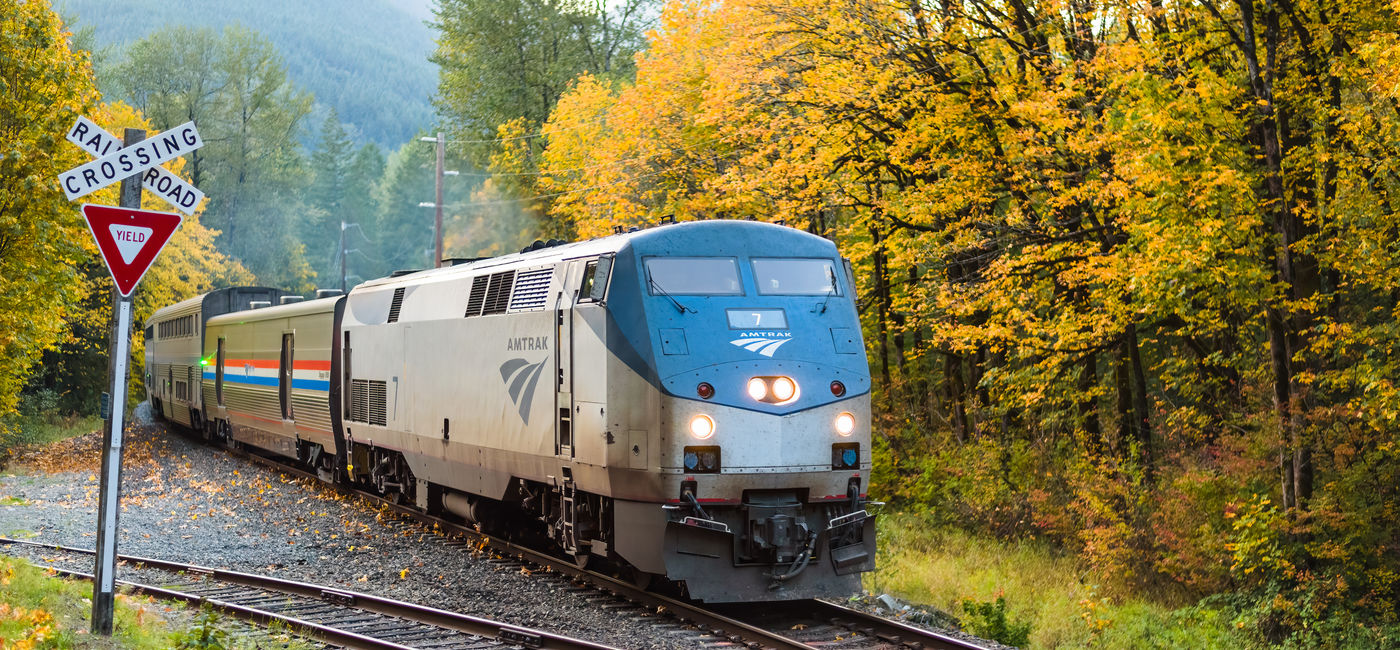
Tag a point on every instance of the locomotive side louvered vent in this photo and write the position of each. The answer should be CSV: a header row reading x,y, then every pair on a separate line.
x,y
531,290
377,409
478,295
395,306
367,401
498,294
359,400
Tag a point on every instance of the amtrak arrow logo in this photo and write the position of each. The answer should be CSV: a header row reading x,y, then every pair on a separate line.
x,y
761,345
520,377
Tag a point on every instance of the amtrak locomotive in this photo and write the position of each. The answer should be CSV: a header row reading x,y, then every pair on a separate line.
x,y
691,401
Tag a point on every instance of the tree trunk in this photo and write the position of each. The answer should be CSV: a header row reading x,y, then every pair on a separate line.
x,y
1142,422
1088,406
881,310
957,394
1122,380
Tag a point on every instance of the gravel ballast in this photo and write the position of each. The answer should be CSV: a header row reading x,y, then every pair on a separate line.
x,y
185,502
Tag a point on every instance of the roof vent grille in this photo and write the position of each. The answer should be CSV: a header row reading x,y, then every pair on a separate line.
x,y
531,290
395,306
478,295
498,294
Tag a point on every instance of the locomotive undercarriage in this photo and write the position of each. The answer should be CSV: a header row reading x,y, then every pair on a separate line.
x,y
578,523
774,545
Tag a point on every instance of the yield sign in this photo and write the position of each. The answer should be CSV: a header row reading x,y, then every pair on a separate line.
x,y
129,240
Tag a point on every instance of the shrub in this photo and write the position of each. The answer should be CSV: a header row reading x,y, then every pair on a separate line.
x,y
989,621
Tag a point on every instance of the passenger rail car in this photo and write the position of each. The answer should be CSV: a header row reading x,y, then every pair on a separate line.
x,y
174,338
691,401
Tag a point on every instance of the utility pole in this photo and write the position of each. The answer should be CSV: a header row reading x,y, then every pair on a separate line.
x,y
441,141
342,257
437,199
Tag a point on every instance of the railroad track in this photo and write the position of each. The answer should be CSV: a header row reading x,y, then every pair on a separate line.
x,y
334,616
790,625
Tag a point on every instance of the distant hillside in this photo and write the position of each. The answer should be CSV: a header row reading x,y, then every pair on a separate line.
x,y
367,58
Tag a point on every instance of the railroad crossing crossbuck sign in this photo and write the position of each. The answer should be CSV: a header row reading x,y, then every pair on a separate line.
x,y
144,156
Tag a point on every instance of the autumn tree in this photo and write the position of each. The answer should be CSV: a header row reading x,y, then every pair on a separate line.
x,y
505,63
1121,265
43,241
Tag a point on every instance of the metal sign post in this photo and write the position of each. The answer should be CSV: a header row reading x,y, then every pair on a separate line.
x,y
105,571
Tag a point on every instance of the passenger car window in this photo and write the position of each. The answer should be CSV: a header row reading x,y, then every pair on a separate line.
x,y
796,277
693,276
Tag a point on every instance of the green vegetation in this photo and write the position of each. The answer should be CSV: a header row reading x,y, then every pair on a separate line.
x,y
39,611
1027,592
367,59
36,422
1032,593
989,621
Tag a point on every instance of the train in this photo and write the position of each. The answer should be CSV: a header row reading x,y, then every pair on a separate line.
x,y
689,402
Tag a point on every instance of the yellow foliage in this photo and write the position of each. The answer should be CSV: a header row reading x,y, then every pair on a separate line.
x,y
44,86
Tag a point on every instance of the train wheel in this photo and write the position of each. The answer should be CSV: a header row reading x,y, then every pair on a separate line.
x,y
639,578
581,559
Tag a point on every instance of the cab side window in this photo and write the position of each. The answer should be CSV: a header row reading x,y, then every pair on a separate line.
x,y
585,289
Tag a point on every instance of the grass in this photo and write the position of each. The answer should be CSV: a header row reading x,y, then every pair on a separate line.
x,y
40,611
945,568
42,430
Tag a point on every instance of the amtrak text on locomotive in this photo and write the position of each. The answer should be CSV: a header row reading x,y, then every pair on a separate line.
x,y
527,343
765,334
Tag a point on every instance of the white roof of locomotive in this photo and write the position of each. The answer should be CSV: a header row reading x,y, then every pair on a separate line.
x,y
571,250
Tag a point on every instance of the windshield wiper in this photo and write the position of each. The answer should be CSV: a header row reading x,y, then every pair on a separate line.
x,y
682,308
830,291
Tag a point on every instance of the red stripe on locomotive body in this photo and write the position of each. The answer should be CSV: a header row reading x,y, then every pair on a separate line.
x,y
271,364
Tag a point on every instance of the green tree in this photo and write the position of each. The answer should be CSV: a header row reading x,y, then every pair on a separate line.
x,y
402,237
325,198
234,86
359,210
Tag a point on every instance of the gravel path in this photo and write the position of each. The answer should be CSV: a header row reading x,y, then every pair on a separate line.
x,y
189,503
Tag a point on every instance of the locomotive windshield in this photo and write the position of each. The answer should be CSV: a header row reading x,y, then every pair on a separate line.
x,y
795,277
694,276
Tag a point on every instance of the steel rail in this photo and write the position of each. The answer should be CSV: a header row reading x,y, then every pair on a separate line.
x,y
504,633
870,625
717,624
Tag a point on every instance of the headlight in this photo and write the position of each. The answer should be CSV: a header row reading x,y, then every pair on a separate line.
x,y
845,424
758,389
784,389
702,427
773,390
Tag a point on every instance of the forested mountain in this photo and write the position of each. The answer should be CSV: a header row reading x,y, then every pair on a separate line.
x,y
368,59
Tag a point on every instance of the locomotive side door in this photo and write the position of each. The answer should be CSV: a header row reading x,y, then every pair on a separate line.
x,y
564,444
